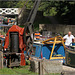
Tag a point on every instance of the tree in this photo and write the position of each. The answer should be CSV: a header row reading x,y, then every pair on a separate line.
x,y
63,9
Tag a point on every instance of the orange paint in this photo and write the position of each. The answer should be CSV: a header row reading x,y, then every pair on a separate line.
x,y
22,46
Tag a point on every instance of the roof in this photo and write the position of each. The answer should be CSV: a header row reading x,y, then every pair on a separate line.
x,y
4,25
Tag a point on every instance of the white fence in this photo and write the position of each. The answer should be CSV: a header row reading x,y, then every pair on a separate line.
x,y
9,11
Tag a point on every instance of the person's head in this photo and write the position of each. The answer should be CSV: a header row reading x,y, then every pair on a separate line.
x,y
69,33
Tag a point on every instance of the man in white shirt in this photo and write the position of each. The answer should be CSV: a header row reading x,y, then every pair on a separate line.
x,y
69,38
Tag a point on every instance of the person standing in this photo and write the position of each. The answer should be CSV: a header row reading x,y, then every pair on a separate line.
x,y
69,38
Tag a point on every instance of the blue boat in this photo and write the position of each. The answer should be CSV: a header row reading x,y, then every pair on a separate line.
x,y
46,49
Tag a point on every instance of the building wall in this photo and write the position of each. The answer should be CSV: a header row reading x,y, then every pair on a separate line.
x,y
57,28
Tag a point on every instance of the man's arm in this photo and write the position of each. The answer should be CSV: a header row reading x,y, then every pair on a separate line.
x,y
65,37
73,39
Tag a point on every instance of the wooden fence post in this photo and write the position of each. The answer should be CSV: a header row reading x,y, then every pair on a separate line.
x,y
1,59
41,67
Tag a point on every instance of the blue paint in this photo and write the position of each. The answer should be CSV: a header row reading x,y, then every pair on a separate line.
x,y
73,44
2,40
25,52
38,50
46,50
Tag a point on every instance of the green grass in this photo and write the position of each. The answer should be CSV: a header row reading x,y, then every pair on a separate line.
x,y
7,71
24,70
17,71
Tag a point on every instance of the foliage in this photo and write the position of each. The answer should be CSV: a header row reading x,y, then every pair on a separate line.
x,y
62,9
50,8
7,4
41,20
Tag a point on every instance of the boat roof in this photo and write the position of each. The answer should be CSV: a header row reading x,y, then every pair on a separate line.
x,y
4,25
